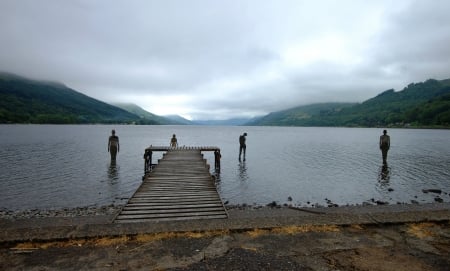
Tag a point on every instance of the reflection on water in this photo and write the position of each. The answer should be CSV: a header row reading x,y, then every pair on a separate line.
x,y
384,175
242,172
113,172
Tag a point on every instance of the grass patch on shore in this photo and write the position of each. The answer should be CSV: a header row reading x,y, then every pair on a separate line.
x,y
152,237
421,230
294,230
116,240
144,238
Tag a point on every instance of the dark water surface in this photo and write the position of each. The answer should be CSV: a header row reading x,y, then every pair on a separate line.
x,y
59,166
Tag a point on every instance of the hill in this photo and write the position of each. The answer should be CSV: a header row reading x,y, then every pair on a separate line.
x,y
392,108
300,115
424,104
24,100
145,115
179,119
226,122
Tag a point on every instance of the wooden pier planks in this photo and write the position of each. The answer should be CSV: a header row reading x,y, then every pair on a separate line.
x,y
180,187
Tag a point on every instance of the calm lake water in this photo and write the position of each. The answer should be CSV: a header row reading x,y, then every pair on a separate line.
x,y
59,166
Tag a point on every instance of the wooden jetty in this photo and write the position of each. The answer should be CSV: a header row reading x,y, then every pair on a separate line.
x,y
179,187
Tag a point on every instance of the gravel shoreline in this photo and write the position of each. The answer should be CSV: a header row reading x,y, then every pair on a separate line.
x,y
64,212
107,210
111,210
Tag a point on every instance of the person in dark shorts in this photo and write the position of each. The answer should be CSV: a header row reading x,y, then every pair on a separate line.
x,y
113,145
242,145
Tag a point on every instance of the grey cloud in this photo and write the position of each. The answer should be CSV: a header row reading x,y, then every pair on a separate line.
x,y
415,42
226,58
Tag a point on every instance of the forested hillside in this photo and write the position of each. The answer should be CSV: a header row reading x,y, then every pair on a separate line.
x,y
300,116
28,101
425,104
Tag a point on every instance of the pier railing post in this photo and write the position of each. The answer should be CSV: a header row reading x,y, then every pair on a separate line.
x,y
217,157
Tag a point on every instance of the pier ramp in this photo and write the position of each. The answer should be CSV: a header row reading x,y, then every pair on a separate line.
x,y
179,187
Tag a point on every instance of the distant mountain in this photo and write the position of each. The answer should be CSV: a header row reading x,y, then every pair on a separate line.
x,y
24,100
297,115
179,119
227,122
424,104
145,115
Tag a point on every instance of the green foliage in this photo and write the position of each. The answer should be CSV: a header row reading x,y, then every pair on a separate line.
x,y
435,112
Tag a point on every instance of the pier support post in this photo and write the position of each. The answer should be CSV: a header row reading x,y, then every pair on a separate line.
x,y
217,157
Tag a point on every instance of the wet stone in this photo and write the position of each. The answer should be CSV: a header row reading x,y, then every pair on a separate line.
x,y
436,191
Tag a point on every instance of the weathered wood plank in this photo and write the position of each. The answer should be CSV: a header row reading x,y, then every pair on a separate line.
x,y
173,187
171,211
174,198
199,182
173,193
179,185
158,203
178,179
143,198
172,206
184,214
142,220
177,188
163,174
187,178
174,202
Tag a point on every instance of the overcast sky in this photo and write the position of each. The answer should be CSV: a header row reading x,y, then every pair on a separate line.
x,y
231,58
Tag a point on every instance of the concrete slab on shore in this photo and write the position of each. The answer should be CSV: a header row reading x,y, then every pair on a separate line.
x,y
62,228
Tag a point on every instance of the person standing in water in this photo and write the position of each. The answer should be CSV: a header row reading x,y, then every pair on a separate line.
x,y
113,145
385,144
173,141
242,145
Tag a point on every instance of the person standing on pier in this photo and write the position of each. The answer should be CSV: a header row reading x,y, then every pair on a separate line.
x,y
242,145
113,145
385,144
173,141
